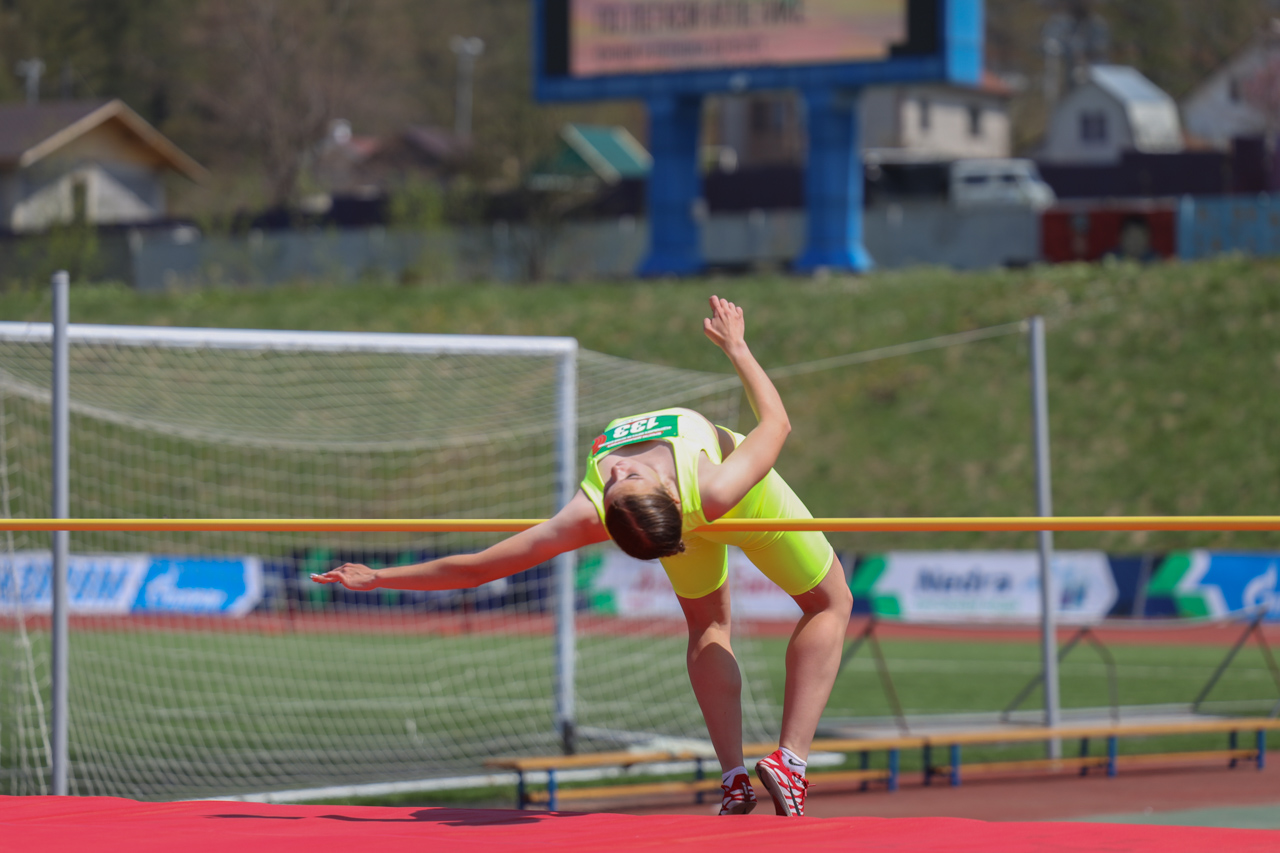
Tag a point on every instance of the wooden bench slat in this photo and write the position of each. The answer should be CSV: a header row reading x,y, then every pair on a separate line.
x,y
868,744
1074,762
594,759
602,792
1102,731
1078,761
849,776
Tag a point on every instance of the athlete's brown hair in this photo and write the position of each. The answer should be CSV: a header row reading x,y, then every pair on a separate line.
x,y
646,526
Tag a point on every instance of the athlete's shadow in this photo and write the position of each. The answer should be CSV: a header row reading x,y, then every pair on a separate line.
x,y
454,817
444,817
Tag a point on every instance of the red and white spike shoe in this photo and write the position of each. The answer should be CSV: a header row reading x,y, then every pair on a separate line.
x,y
785,786
739,796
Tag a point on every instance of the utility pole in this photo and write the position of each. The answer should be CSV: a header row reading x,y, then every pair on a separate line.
x,y
31,70
468,50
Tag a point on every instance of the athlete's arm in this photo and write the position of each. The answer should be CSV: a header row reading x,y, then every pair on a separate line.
x,y
576,525
726,484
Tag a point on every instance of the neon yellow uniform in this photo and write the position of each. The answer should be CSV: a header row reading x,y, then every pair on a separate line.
x,y
797,562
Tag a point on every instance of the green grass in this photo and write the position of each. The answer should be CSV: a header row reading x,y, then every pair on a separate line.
x,y
1163,378
1163,398
169,714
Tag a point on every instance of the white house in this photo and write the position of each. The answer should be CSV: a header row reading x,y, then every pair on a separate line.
x,y
923,122
1112,110
937,121
1217,111
91,161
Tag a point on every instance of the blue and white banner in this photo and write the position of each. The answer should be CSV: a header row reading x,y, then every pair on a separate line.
x,y
132,583
983,586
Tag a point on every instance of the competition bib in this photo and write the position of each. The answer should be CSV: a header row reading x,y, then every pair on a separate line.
x,y
642,429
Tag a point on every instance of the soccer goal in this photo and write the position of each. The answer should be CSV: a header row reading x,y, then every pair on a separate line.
x,y
207,664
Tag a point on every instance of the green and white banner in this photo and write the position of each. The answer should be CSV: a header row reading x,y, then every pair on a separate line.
x,y
1217,584
984,586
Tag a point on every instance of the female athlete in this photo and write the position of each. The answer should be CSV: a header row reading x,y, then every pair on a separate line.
x,y
653,478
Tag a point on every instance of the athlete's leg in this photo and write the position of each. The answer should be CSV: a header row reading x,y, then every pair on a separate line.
x,y
813,658
714,674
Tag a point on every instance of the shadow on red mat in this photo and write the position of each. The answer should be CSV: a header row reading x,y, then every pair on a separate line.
x,y
106,825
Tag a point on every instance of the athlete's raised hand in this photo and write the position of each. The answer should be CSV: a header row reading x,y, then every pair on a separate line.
x,y
725,327
351,575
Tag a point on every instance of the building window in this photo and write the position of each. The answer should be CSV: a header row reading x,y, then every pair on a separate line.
x,y
926,119
768,116
975,121
1093,126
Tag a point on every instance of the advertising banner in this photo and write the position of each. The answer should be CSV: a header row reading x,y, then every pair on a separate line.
x,y
630,36
132,583
984,586
1218,584
626,586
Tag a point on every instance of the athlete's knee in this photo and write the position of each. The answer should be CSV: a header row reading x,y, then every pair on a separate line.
x,y
830,595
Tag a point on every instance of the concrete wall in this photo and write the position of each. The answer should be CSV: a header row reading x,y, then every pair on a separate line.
x,y
896,236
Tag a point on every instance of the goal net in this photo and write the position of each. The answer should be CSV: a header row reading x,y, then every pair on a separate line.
x,y
207,664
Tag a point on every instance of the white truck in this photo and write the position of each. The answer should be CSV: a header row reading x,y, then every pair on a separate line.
x,y
976,183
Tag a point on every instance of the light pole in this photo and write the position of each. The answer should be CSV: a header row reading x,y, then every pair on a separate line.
x,y
31,70
467,49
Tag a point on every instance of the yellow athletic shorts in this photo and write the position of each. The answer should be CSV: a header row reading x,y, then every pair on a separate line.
x,y
795,561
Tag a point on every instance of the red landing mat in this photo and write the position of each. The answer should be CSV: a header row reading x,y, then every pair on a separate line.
x,y
54,824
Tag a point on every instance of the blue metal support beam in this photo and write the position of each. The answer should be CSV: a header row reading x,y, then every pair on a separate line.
x,y
833,184
674,186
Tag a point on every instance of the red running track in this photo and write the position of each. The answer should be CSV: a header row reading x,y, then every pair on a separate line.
x,y
106,825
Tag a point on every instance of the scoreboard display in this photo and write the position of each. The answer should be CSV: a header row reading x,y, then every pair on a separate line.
x,y
617,47
639,36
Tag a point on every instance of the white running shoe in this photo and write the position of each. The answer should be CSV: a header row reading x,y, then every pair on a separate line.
x,y
785,786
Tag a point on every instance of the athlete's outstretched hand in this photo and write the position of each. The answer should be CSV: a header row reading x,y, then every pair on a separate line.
x,y
725,327
351,575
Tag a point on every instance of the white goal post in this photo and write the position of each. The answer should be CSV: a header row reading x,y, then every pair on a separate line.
x,y
289,686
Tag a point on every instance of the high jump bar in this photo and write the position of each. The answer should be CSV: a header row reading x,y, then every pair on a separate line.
x,y
513,525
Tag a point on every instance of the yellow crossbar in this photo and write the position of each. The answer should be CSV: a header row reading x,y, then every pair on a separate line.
x,y
512,525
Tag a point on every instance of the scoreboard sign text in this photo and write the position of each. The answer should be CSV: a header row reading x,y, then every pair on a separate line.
x,y
645,36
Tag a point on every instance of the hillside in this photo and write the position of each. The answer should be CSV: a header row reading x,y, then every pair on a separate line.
x,y
1163,379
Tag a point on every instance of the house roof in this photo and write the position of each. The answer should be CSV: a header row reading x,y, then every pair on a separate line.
x,y
31,132
592,153
1152,113
612,153
435,142
1127,84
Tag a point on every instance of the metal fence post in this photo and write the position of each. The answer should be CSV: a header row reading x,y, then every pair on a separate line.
x,y
61,538
566,563
1044,538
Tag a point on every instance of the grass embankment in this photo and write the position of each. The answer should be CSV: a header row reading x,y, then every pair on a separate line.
x,y
1163,400
1163,378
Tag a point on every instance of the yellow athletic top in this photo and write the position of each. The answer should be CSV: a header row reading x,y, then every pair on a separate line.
x,y
688,434
795,561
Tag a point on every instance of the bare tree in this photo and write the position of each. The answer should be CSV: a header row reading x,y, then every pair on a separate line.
x,y
277,72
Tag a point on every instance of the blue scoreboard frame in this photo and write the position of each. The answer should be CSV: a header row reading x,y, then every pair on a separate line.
x,y
944,44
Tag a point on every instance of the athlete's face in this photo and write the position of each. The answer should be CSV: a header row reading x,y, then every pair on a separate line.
x,y
630,477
